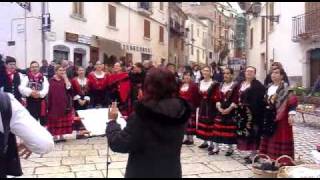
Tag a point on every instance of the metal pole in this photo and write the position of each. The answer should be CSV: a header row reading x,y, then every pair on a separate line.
x,y
25,37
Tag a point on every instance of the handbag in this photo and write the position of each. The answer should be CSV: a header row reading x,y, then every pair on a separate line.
x,y
9,158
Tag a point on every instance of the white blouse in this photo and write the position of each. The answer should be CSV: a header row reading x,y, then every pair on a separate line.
x,y
272,90
245,86
99,76
184,87
226,87
204,86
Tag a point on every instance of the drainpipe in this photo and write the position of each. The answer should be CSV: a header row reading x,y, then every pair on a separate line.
x,y
43,33
267,37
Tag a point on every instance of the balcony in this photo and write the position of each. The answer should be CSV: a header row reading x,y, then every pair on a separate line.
x,y
306,27
145,8
176,28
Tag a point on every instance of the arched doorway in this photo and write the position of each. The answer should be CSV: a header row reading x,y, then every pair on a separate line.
x,y
314,65
60,52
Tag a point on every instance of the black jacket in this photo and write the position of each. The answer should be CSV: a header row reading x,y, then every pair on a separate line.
x,y
254,97
153,138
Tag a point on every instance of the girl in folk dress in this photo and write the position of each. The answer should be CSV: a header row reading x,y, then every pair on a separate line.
x,y
81,98
60,115
225,125
250,114
280,109
97,82
120,87
190,92
209,94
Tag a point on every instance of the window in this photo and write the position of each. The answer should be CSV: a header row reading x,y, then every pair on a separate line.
x,y
78,9
251,38
191,49
146,28
263,20
198,55
182,45
271,5
112,16
198,32
161,6
191,31
210,55
161,34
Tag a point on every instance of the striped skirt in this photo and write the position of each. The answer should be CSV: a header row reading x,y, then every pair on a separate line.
x,y
60,125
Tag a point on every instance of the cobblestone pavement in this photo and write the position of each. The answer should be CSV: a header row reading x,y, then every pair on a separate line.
x,y
87,158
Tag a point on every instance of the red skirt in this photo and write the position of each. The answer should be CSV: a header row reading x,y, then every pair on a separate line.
x,y
206,120
224,130
60,125
191,126
280,143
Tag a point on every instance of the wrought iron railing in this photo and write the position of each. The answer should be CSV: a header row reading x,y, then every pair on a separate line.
x,y
306,26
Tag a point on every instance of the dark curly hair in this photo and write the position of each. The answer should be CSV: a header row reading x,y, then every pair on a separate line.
x,y
160,84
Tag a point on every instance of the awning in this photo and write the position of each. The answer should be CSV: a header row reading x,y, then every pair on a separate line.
x,y
109,46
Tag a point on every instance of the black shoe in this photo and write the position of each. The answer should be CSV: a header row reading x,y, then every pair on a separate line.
x,y
248,161
203,146
229,153
213,152
185,141
189,143
210,148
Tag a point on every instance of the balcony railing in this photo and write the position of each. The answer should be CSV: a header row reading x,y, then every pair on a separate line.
x,y
145,8
306,26
175,27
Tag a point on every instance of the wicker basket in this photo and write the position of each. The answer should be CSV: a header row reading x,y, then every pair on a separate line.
x,y
258,173
285,170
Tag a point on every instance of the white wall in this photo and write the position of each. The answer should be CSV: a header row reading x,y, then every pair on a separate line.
x,y
293,55
24,52
289,53
198,43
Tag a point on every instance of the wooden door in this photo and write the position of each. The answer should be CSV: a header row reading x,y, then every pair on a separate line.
x,y
94,54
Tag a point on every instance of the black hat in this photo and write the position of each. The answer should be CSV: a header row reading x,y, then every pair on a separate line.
x,y
10,59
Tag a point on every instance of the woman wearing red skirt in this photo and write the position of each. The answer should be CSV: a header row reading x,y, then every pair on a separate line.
x,y
277,139
190,92
225,125
209,95
60,117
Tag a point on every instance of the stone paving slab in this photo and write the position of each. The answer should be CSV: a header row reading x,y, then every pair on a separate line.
x,y
87,158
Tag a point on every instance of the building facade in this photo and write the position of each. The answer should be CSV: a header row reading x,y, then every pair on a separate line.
x,y
177,19
196,40
87,31
292,39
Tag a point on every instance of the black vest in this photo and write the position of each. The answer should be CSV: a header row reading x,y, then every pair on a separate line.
x,y
9,158
14,88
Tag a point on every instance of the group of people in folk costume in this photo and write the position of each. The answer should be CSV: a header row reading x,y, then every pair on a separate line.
x,y
54,101
254,117
247,114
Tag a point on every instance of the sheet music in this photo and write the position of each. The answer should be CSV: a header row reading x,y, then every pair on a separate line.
x,y
95,120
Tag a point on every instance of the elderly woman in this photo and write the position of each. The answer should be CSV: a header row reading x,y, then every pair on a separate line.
x,y
154,133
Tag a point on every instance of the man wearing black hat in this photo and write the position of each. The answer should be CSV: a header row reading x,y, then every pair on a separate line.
x,y
11,78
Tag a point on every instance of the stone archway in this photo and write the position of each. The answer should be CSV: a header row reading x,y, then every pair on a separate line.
x,y
60,52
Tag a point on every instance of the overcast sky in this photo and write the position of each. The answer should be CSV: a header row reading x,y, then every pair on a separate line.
x,y
236,6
